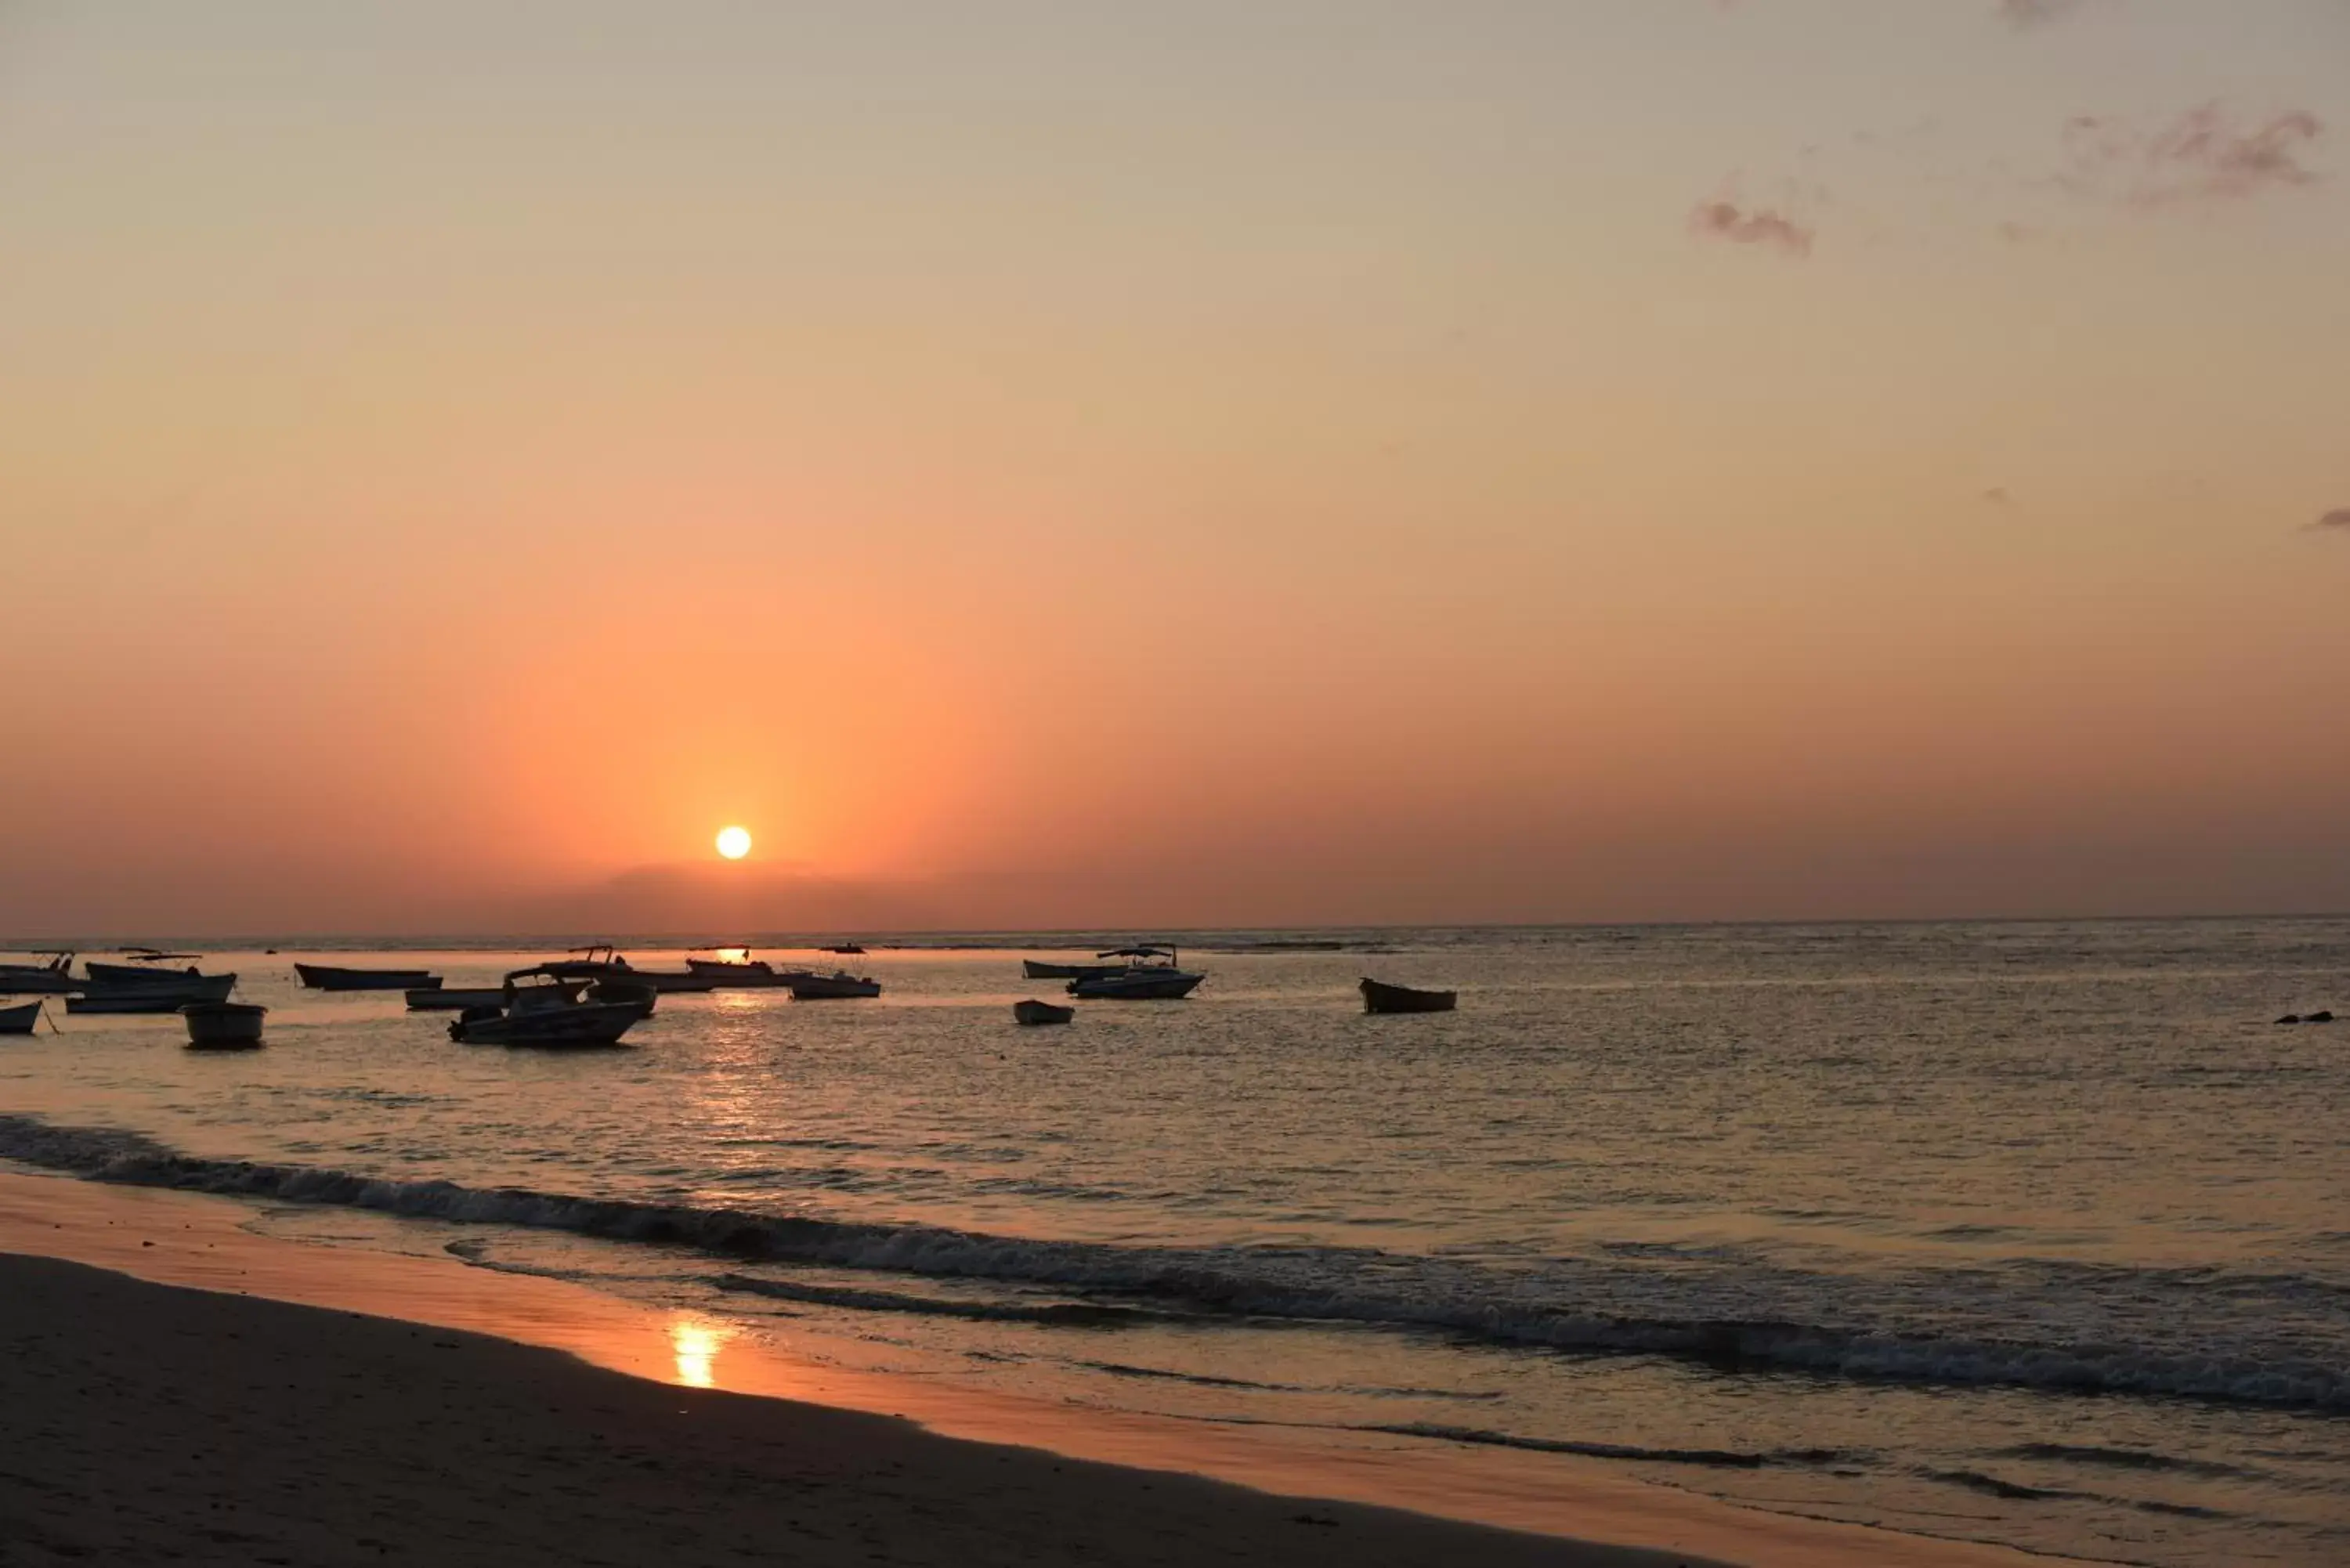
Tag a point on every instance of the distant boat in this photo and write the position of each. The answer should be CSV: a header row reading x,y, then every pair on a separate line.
x,y
222,1025
53,978
1034,1011
19,1019
842,947
164,993
1381,998
1150,974
541,1007
833,987
745,973
328,977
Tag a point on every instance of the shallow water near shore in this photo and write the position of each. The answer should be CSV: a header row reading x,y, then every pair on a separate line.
x,y
2024,1233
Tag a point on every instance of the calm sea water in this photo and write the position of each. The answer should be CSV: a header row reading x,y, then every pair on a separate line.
x,y
2036,1233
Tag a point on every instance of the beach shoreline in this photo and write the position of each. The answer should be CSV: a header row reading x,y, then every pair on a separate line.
x,y
110,1350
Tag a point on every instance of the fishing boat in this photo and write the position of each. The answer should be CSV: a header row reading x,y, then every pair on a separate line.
x,y
1041,969
145,969
163,993
1151,974
328,977
222,1025
1379,997
53,978
19,1019
744,974
1033,1011
541,1007
833,987
844,948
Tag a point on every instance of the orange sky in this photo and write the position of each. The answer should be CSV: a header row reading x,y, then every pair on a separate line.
x,y
1348,462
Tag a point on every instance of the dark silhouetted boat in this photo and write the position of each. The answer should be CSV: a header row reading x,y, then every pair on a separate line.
x,y
1149,975
542,1007
157,992
329,977
1379,997
1034,1012
222,1025
836,986
53,978
19,1019
1041,969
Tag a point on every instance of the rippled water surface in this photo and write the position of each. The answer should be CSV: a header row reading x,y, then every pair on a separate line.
x,y
2038,1233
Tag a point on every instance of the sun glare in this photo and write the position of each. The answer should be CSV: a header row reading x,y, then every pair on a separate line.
x,y
734,842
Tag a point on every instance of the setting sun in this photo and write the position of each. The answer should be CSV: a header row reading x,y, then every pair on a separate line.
x,y
734,842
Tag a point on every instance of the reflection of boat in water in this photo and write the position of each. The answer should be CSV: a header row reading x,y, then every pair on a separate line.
x,y
329,977
224,1025
19,1019
1033,1011
53,978
543,1007
1381,998
159,993
1041,969
833,987
1151,974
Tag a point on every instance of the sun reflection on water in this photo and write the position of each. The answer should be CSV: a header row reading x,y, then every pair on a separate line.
x,y
695,1344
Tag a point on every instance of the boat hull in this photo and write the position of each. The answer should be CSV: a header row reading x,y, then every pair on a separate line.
x,y
19,1019
1130,985
1379,998
167,997
1032,1012
222,1025
586,1025
123,975
833,987
457,998
1039,968
37,980
326,977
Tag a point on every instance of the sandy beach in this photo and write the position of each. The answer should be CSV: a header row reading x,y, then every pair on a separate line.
x,y
153,1422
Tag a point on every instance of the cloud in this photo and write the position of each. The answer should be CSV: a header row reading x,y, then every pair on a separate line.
x,y
2204,155
1721,219
2033,12
2335,522
1997,495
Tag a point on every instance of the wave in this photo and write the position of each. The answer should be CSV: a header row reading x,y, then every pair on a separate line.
x,y
1201,1286
1719,1458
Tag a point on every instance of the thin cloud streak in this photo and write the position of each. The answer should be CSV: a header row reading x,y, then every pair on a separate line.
x,y
1725,220
2335,522
2023,14
2204,155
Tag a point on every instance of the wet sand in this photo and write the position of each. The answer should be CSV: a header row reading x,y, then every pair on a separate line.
x,y
151,1422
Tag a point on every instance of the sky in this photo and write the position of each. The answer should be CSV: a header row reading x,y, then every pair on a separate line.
x,y
1054,464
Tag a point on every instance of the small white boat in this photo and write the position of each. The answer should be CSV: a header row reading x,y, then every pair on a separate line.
x,y
833,987
1033,1011
19,1019
1151,974
222,1025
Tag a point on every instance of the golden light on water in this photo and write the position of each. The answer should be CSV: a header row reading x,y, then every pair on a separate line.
x,y
695,1347
734,842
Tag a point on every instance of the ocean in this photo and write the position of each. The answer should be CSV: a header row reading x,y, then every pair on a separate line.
x,y
2035,1234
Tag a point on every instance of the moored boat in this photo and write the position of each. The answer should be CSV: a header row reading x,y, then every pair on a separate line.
x,y
1150,974
159,993
1033,1011
542,1007
744,974
833,987
53,978
457,998
19,1019
331,976
1041,969
222,1025
146,971
1380,997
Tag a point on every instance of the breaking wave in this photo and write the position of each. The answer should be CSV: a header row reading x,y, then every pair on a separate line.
x,y
1195,1285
